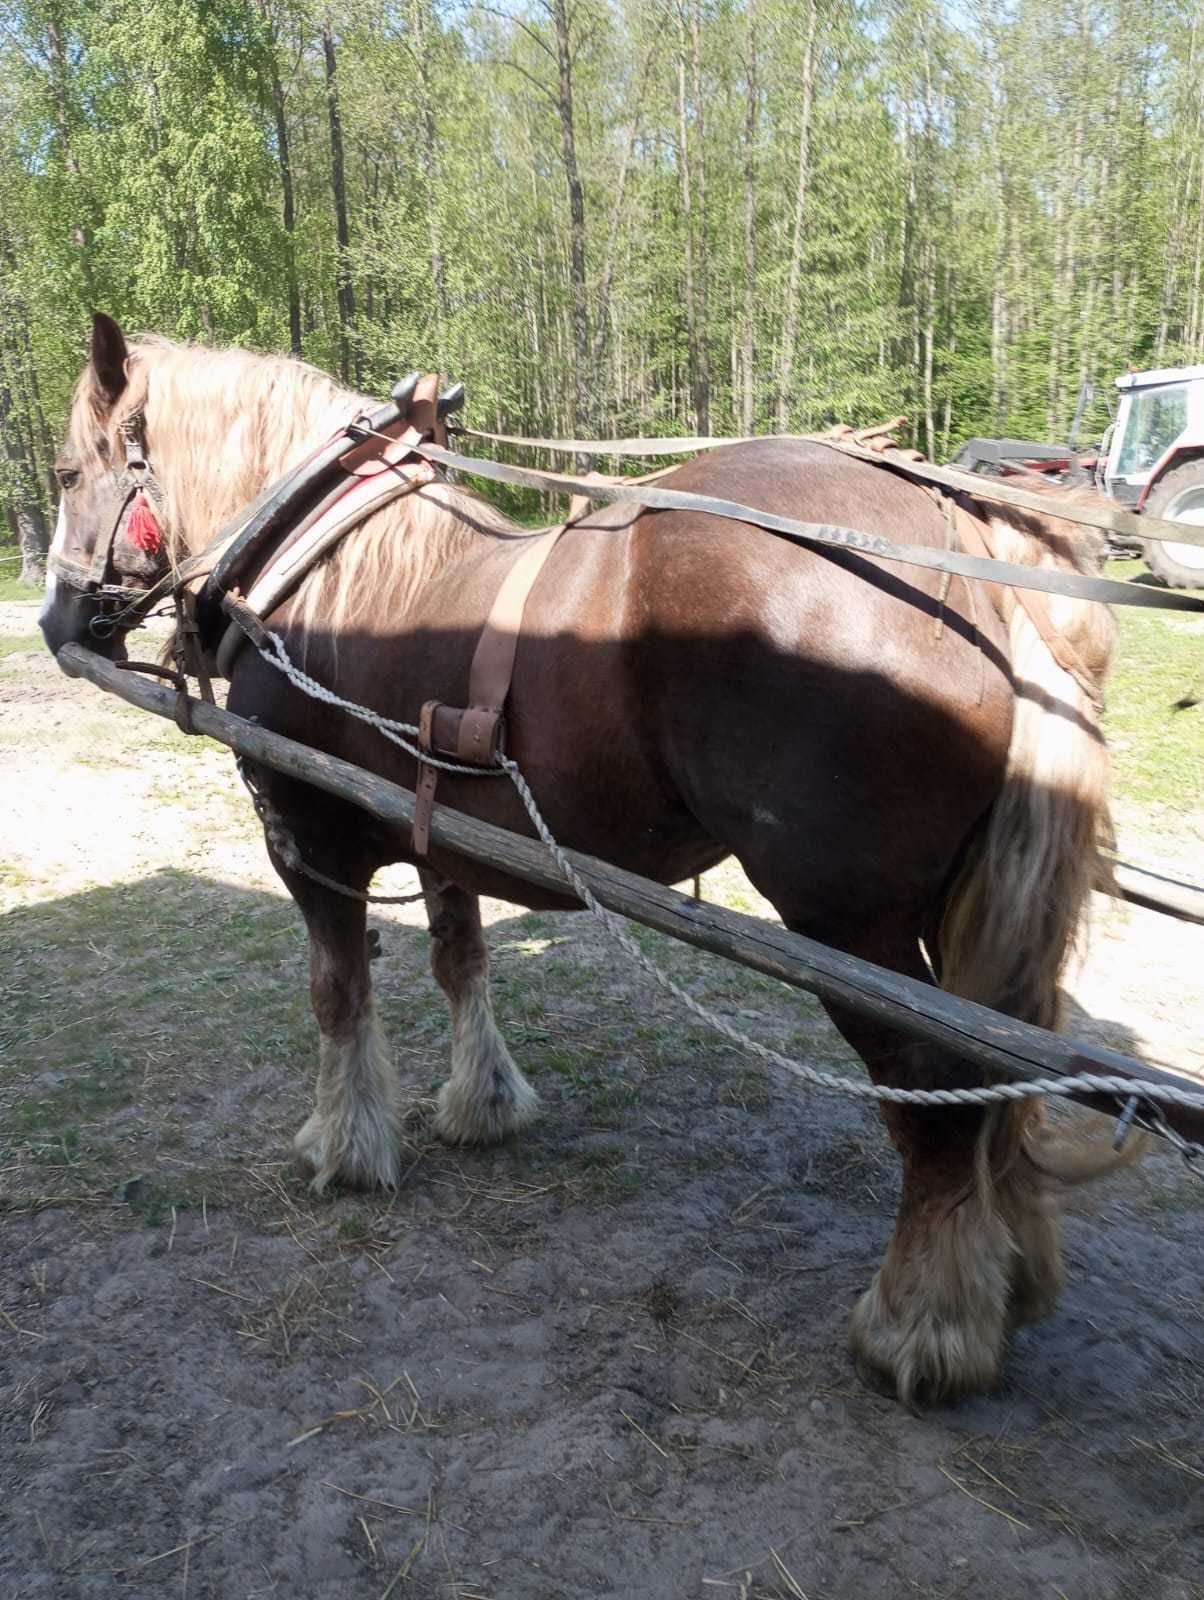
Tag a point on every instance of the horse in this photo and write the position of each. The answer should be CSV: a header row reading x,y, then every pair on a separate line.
x,y
901,766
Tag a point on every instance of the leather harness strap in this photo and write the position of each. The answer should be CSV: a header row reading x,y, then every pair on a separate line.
x,y
974,534
372,474
473,734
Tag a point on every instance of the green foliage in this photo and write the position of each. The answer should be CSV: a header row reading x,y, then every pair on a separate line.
x,y
998,202
1155,707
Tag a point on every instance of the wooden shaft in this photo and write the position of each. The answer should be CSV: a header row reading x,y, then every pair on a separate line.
x,y
1156,892
1007,1048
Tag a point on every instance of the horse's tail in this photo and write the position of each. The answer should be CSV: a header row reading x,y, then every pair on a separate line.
x,y
1019,903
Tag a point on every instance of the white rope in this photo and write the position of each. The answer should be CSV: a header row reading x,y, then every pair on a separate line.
x,y
1068,1087
393,730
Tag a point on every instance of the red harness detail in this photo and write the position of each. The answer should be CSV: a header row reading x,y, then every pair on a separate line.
x,y
142,526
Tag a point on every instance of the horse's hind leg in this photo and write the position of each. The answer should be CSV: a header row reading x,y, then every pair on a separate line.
x,y
934,1322
486,1096
352,1134
976,1248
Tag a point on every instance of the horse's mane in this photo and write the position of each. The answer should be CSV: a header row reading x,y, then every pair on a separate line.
x,y
222,424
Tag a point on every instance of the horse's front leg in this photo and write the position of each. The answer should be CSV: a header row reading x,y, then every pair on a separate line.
x,y
486,1096
352,1134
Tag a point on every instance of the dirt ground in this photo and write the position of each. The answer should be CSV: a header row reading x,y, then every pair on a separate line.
x,y
607,1360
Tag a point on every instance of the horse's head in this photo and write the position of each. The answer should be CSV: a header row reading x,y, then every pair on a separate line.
x,y
109,546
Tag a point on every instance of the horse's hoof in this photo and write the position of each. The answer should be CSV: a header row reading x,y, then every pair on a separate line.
x,y
364,1157
926,1361
488,1112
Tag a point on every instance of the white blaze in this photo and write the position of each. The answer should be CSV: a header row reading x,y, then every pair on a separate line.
x,y
56,545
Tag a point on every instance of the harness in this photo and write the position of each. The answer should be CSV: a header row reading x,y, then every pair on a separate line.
x,y
135,478
380,456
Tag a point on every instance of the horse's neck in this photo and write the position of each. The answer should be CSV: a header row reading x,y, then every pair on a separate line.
x,y
239,474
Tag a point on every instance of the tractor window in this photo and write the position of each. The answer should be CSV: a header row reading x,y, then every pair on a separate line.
x,y
1156,419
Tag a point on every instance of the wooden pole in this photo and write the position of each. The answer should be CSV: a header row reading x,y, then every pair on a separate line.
x,y
1005,1047
1142,887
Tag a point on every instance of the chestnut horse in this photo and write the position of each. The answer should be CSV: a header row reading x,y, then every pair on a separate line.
x,y
906,774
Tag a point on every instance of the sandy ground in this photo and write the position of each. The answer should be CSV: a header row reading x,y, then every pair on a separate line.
x,y
607,1360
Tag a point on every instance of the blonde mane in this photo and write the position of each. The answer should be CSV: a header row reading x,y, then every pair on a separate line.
x,y
1032,539
221,425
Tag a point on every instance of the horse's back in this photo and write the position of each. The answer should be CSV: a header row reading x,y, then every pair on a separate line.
x,y
838,722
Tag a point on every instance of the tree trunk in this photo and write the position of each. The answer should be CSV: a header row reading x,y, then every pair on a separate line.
x,y
1184,176
60,73
606,279
27,514
1000,307
349,358
580,398
928,296
748,348
430,174
793,282
287,198
702,369
687,211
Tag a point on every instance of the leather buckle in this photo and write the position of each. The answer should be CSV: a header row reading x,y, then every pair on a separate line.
x,y
480,736
426,725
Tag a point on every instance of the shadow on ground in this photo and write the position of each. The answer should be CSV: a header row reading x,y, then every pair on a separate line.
x,y
607,1360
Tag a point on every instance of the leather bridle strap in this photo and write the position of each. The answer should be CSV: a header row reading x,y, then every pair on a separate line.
x,y
473,735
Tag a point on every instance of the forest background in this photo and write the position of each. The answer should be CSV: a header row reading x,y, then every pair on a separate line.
x,y
610,215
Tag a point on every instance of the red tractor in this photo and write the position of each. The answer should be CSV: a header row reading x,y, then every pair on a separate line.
x,y
1151,459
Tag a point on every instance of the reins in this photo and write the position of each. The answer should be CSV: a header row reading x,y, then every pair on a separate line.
x,y
1110,591
1114,519
224,559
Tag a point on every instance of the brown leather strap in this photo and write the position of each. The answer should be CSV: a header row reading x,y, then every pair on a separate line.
x,y
424,410
493,663
473,735
428,779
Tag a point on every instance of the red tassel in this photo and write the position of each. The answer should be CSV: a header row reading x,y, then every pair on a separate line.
x,y
142,526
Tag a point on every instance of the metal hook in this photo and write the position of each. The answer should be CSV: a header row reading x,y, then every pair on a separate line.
x,y
1125,1122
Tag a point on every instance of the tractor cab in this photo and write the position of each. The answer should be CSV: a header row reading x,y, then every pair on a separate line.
x,y
1155,462
1161,413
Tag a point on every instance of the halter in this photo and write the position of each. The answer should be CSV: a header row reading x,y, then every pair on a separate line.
x,y
116,601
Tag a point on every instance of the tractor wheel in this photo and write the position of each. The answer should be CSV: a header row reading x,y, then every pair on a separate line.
x,y
1178,496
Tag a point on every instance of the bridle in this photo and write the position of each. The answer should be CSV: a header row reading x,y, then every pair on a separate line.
x,y
195,586
118,606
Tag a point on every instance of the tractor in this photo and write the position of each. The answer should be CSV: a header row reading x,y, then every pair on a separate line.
x,y
1151,460
1154,461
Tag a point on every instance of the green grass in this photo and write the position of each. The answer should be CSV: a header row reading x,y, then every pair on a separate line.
x,y
10,588
1155,713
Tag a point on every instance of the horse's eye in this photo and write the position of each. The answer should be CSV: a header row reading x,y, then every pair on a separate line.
x,y
67,477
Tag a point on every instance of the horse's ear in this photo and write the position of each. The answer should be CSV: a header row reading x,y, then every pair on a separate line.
x,y
109,355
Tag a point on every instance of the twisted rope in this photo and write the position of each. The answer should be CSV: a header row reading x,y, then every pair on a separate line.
x,y
1068,1087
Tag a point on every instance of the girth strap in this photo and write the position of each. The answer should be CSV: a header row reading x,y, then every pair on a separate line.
x,y
473,734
